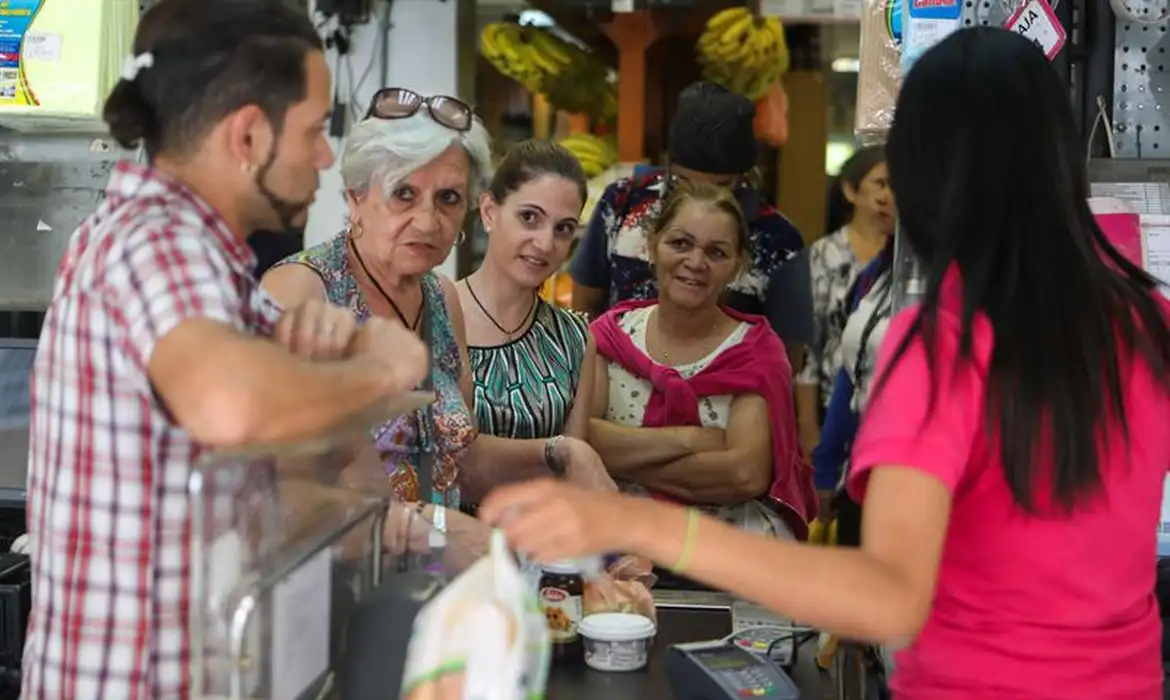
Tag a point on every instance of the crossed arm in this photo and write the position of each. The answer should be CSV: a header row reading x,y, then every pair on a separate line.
x,y
695,464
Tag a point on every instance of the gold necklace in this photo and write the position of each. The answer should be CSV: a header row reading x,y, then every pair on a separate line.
x,y
662,350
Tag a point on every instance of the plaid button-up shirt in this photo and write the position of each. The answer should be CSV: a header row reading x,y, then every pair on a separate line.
x,y
108,467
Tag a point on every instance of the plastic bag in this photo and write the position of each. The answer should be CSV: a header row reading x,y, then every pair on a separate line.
x,y
880,71
624,587
771,125
484,631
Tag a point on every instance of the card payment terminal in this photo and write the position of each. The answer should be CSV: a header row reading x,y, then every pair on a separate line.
x,y
719,670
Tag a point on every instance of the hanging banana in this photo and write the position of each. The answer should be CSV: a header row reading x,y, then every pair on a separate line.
x,y
743,52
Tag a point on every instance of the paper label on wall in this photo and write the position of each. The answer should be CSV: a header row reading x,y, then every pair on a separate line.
x,y
1036,21
42,46
782,8
621,6
300,627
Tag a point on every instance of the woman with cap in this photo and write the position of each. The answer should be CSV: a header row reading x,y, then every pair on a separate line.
x,y
711,141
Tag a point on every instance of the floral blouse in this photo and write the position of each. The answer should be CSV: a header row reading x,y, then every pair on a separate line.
x,y
834,268
436,436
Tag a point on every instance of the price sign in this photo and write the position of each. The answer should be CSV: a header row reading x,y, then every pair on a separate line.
x,y
1036,21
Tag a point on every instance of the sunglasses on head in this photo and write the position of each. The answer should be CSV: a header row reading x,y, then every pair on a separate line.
x,y
400,103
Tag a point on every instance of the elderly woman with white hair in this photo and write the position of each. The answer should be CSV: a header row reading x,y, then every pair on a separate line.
x,y
411,168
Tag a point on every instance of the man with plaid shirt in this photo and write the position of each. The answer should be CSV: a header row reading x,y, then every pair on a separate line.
x,y
158,344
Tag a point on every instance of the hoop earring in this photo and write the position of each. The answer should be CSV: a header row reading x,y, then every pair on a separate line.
x,y
460,237
353,229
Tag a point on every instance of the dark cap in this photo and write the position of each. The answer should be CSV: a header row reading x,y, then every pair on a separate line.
x,y
712,131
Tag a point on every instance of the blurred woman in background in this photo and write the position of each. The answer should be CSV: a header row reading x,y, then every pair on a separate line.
x,y
864,200
693,401
1014,447
870,304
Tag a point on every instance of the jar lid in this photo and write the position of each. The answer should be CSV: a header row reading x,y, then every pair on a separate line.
x,y
616,627
565,566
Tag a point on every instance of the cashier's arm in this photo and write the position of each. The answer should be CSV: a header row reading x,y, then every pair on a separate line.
x,y
626,449
880,592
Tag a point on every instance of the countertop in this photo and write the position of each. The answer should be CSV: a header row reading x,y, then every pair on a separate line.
x,y
709,620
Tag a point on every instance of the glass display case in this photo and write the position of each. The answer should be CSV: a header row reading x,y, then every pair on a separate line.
x,y
286,544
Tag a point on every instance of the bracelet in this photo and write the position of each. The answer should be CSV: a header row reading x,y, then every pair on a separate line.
x,y
551,459
688,548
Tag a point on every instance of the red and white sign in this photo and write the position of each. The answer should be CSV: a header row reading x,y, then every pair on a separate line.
x,y
1036,21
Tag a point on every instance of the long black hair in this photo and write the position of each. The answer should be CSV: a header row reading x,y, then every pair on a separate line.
x,y
838,210
990,177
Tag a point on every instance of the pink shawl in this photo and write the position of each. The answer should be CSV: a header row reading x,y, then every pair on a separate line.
x,y
758,365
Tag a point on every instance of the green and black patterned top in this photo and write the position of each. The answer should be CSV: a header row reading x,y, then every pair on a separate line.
x,y
524,389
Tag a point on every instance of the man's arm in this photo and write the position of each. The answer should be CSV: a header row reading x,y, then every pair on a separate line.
x,y
229,389
182,316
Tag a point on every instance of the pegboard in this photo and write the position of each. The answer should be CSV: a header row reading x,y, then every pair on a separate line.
x,y
988,13
1141,84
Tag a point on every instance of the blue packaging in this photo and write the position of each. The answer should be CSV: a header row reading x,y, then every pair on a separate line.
x,y
924,24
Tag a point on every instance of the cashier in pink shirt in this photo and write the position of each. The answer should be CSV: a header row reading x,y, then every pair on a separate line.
x,y
1012,456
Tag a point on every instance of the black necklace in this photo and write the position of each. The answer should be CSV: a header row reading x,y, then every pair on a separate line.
x,y
401,316
505,331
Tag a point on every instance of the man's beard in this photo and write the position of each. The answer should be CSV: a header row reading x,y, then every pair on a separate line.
x,y
286,210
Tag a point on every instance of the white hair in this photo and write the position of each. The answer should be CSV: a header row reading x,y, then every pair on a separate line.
x,y
384,152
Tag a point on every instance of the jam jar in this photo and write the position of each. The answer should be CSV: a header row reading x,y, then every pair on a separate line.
x,y
561,590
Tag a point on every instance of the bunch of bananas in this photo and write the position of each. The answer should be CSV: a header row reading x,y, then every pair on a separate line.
x,y
595,153
743,52
572,78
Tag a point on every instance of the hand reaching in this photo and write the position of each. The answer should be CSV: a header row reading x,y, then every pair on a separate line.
x,y
551,520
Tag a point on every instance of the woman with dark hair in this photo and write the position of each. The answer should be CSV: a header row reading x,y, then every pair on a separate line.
x,y
1013,451
531,362
863,221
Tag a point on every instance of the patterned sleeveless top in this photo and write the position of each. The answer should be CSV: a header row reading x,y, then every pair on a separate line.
x,y
443,430
524,389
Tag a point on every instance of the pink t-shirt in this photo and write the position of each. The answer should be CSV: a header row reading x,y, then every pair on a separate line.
x,y
1026,607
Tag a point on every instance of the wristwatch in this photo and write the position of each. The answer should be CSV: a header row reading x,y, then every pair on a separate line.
x,y
552,460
